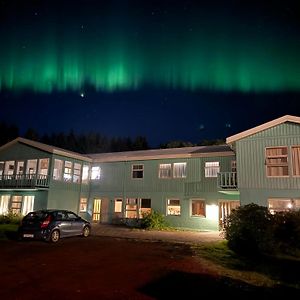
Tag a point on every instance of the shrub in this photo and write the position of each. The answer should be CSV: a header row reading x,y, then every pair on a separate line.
x,y
154,220
248,230
10,218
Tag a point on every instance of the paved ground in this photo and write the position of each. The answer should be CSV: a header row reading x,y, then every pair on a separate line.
x,y
183,236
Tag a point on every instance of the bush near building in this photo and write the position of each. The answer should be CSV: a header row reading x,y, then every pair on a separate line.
x,y
252,230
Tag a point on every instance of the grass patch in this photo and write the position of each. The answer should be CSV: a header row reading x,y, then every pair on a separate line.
x,y
7,231
268,271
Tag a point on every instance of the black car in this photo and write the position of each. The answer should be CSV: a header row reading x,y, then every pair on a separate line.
x,y
51,225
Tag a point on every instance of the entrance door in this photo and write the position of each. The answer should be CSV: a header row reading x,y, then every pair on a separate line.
x,y
225,208
96,210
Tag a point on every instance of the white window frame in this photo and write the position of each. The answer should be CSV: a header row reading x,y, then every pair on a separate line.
x,y
211,169
43,166
289,204
269,164
31,166
9,168
165,171
68,166
85,174
83,204
2,163
27,204
172,209
295,161
204,208
144,210
4,204
137,169
16,204
57,169
179,170
76,172
131,208
118,205
96,173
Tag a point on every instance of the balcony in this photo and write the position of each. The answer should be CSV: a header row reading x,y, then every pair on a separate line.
x,y
27,181
227,180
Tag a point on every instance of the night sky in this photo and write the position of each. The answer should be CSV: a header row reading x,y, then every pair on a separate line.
x,y
168,70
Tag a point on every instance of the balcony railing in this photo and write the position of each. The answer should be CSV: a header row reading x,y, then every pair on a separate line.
x,y
227,180
24,181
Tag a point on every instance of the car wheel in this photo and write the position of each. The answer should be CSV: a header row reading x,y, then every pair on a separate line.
x,y
54,237
86,231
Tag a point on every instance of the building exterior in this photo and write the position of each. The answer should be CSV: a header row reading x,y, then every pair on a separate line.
x,y
195,187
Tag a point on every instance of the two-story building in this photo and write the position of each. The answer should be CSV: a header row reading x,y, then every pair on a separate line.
x,y
194,187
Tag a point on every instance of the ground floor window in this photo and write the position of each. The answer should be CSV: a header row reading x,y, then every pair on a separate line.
x,y
27,205
283,204
131,208
4,203
145,207
118,205
173,207
137,207
83,205
16,204
198,208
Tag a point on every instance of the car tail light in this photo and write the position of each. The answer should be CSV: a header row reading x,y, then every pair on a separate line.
x,y
46,222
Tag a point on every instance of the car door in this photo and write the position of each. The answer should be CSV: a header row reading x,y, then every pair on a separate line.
x,y
76,223
63,223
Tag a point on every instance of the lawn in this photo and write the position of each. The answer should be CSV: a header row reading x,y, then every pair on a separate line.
x,y
8,231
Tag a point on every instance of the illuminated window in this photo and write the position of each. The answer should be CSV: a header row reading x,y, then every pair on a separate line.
x,y
137,171
20,168
57,170
68,171
283,204
27,205
9,168
16,204
43,166
145,207
31,166
85,174
131,208
179,170
1,167
165,171
76,173
96,172
4,202
173,207
277,161
233,166
118,205
83,205
296,160
212,168
198,208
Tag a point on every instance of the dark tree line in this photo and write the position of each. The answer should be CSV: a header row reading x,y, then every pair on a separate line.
x,y
91,142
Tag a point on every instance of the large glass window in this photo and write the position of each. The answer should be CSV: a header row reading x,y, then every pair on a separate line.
x,y
118,205
85,174
16,204
1,167
96,173
9,168
20,168
296,160
165,171
145,207
137,171
283,204
173,207
4,202
198,208
212,168
179,170
57,170
27,205
131,208
277,161
43,166
83,205
31,166
68,171
76,172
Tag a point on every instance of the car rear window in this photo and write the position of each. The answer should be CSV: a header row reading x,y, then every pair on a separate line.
x,y
37,215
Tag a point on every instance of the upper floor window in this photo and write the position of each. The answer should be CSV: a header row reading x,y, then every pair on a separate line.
x,y
296,160
212,168
96,172
233,166
76,172
85,174
43,166
137,171
31,166
68,171
179,170
57,170
9,167
20,168
277,161
1,167
165,171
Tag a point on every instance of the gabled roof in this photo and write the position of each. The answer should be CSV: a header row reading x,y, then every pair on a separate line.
x,y
46,148
185,152
265,126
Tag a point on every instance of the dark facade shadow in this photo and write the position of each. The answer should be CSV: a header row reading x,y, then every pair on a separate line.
x,y
181,285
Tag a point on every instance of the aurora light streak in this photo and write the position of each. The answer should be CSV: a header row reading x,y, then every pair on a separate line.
x,y
115,47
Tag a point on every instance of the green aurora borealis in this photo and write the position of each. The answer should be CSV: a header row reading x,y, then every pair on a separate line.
x,y
57,48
